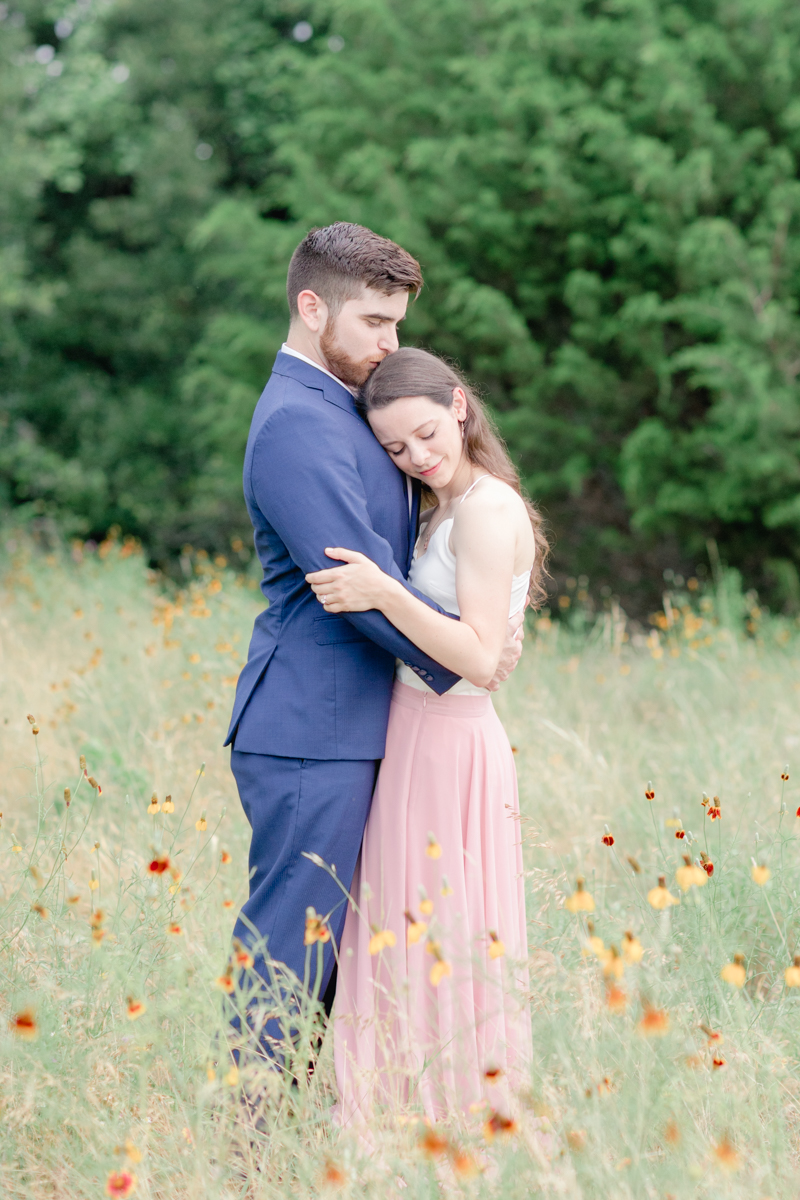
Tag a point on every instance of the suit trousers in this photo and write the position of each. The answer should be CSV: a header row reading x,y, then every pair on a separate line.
x,y
296,805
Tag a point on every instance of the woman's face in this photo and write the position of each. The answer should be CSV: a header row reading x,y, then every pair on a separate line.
x,y
423,438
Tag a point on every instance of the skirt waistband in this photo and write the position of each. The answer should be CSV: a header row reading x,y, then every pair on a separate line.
x,y
451,706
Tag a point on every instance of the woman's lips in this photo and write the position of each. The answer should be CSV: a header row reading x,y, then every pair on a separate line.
x,y
431,470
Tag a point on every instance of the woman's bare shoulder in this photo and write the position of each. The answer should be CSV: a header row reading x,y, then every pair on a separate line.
x,y
492,497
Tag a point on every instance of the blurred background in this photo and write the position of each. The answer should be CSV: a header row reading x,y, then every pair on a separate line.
x,y
603,195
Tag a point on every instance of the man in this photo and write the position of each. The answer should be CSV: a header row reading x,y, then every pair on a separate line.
x,y
309,719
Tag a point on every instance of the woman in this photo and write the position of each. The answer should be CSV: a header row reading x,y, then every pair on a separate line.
x,y
430,1006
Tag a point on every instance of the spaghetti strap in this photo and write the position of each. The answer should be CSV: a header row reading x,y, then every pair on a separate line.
x,y
472,485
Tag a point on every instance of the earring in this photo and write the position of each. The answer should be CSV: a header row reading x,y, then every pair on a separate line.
x,y
463,430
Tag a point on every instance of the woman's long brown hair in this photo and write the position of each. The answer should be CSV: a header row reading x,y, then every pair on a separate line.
x,y
410,372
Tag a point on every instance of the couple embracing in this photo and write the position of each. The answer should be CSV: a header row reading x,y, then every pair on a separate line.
x,y
398,556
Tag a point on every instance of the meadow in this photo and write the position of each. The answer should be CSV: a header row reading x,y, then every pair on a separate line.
x,y
659,791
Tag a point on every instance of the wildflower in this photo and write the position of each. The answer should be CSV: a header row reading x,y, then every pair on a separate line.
x,y
174,929
67,797
168,805
94,784
187,1133
680,834
82,762
232,1077
637,870
632,949
706,864
613,964
496,1124
333,1175
580,900
690,875
464,1164
760,874
672,1133
135,1008
242,956
659,897
73,898
425,905
432,1144
616,998
131,1152
734,972
714,811
496,947
726,1155
201,825
649,794
93,884
493,1074
16,848
439,971
576,1140
433,849
153,807
120,1183
415,928
225,983
785,775
654,1022
381,939
714,1038
316,929
225,857
717,1062
607,838
595,944
41,910
445,889
227,902
25,1025
792,974
157,866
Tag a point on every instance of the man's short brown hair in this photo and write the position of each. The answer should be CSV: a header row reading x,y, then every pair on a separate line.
x,y
335,262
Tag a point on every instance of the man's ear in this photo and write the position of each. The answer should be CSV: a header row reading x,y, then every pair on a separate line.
x,y
312,310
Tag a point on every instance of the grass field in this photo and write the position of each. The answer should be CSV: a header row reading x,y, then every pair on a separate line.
x,y
676,1075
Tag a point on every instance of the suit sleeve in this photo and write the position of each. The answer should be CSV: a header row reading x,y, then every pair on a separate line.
x,y
305,480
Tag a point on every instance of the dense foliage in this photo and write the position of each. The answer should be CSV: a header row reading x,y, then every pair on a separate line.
x,y
604,197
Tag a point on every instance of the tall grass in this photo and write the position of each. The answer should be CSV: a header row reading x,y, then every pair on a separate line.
x,y
650,1078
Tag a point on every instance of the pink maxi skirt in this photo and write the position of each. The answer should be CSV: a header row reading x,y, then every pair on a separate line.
x,y
431,1002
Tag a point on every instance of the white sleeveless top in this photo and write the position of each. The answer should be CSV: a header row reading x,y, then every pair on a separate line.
x,y
434,574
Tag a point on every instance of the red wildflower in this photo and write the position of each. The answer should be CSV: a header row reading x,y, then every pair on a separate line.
x,y
158,866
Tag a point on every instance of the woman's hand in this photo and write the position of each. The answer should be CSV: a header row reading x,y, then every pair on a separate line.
x,y
359,586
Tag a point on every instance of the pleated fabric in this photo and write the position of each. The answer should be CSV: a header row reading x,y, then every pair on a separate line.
x,y
443,833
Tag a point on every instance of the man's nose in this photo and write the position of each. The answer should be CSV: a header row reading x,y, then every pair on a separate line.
x,y
388,340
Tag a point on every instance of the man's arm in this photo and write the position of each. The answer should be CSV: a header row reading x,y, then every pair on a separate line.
x,y
305,480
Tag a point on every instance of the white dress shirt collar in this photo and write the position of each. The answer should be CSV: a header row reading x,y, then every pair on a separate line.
x,y
303,358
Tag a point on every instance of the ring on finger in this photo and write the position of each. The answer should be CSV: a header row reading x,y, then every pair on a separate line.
x,y
322,599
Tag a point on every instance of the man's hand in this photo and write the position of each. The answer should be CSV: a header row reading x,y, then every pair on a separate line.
x,y
512,649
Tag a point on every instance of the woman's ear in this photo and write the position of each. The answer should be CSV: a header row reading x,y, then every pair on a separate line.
x,y
460,405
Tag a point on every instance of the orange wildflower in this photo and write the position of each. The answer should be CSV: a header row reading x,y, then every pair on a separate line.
x,y
227,903
135,1008
714,810
415,928
760,874
496,948
706,864
174,929
717,1061
734,972
25,1025
120,1183
497,1125
654,1022
157,866
242,956
785,775
225,858
580,900
433,1145
493,1074
680,833
464,1165
659,897
225,983
635,867
433,849
201,824
649,794
41,910
672,1133
333,1176
632,949
792,974
153,807
607,838
381,939
316,929
616,998
726,1155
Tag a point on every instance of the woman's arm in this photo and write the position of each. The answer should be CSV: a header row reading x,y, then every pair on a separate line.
x,y
484,540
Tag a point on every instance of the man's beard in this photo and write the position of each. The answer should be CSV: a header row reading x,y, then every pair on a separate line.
x,y
348,369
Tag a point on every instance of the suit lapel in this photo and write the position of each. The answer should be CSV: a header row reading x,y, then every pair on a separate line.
x,y
413,521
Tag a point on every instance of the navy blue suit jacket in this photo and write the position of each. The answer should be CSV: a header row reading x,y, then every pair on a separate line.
x,y
317,684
